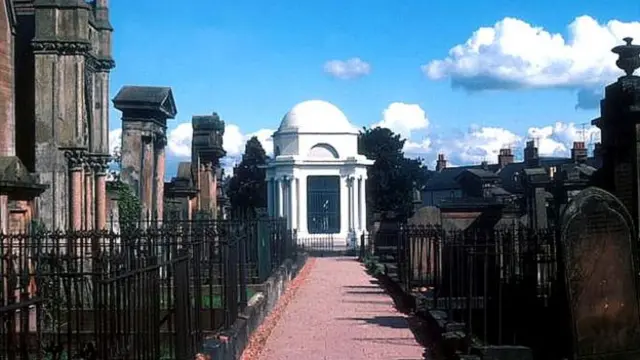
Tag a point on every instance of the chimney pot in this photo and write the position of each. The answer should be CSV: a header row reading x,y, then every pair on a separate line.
x,y
578,152
441,163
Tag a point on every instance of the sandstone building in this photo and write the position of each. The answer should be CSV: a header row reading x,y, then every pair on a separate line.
x,y
55,60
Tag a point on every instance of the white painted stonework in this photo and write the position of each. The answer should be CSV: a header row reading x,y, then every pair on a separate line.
x,y
316,139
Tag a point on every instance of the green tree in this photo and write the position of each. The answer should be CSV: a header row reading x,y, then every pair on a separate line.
x,y
393,177
247,187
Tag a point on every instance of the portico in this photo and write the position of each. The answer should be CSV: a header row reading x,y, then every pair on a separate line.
x,y
317,179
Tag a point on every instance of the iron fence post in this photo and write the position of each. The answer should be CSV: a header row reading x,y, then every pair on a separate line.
x,y
241,238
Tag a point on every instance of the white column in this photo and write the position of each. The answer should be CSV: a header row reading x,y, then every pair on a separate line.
x,y
344,205
359,203
297,189
302,205
363,204
286,201
293,203
280,190
349,219
353,203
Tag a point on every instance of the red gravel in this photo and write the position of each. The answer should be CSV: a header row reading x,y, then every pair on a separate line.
x,y
261,334
341,313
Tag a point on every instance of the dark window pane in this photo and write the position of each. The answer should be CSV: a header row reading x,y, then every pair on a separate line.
x,y
323,204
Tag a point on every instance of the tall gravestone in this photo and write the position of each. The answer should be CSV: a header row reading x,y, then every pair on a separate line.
x,y
598,245
599,237
145,111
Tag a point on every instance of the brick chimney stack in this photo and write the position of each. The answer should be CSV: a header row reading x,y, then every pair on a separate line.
x,y
531,159
597,154
505,157
579,152
441,164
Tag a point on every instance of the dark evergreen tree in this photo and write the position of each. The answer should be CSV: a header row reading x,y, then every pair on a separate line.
x,y
247,189
393,177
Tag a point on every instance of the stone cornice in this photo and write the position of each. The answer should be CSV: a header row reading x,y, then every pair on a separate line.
x,y
100,64
62,47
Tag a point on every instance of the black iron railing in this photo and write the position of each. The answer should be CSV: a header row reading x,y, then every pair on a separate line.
x,y
149,292
498,283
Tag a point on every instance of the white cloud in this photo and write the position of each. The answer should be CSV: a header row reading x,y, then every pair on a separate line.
x,y
475,145
179,143
472,146
347,69
179,140
515,54
115,140
557,139
234,140
403,118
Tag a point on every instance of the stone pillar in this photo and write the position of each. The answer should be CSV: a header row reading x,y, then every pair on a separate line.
x,y
293,204
280,188
7,86
286,200
349,203
147,177
60,106
4,214
159,176
100,171
352,211
297,186
75,160
344,205
89,202
363,204
206,184
302,205
145,111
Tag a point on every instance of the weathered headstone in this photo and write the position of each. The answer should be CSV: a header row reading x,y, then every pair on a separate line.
x,y
599,245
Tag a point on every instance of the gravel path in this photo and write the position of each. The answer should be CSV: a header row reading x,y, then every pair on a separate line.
x,y
338,313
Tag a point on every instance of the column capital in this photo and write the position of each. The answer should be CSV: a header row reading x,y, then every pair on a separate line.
x,y
206,166
285,178
100,163
160,140
76,157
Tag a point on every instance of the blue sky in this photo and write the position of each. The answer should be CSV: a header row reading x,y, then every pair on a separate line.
x,y
251,61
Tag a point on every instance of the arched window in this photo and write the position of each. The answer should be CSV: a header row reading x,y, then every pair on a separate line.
x,y
323,151
276,152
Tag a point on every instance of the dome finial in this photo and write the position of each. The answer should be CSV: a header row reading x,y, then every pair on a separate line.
x,y
628,56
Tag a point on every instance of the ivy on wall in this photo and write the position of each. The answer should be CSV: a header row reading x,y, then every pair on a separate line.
x,y
129,207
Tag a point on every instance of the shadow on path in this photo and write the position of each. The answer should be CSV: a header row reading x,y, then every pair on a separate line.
x,y
394,322
369,302
411,320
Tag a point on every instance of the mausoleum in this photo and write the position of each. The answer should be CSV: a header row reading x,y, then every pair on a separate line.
x,y
316,179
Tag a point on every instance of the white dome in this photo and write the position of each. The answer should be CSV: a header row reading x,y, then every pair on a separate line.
x,y
315,116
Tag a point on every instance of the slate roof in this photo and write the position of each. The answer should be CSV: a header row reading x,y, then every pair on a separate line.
x,y
482,173
447,178
150,97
